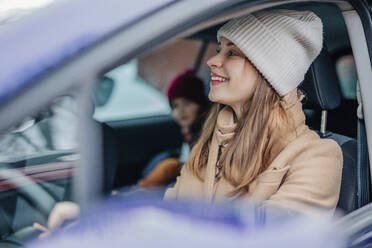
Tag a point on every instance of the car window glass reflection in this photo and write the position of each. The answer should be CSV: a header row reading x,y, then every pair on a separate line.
x,y
122,94
52,129
37,161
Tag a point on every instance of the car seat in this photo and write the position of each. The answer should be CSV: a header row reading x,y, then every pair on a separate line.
x,y
323,94
110,157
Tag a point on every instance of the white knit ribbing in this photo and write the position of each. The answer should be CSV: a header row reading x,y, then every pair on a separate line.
x,y
281,44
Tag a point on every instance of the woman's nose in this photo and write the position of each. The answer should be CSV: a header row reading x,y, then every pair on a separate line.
x,y
214,61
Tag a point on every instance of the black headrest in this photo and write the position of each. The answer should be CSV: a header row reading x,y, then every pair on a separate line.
x,y
320,85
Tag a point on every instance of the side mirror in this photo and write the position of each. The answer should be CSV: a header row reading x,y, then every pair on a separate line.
x,y
103,91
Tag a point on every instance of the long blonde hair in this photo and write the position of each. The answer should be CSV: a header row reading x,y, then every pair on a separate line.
x,y
249,152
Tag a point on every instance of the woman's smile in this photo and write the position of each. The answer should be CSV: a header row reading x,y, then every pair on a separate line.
x,y
217,79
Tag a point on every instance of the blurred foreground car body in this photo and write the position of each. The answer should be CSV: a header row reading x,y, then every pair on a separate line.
x,y
61,66
144,222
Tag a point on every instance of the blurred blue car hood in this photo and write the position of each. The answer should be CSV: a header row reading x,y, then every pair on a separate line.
x,y
145,222
47,38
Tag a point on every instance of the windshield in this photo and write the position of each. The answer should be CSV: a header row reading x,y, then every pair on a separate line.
x,y
38,158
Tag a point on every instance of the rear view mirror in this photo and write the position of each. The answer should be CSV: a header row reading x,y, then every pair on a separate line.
x,y
103,91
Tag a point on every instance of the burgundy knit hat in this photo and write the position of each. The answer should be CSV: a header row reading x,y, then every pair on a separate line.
x,y
189,86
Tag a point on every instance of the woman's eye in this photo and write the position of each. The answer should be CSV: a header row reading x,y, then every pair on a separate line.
x,y
218,50
231,53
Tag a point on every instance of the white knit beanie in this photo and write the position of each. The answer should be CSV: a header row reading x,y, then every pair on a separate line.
x,y
281,44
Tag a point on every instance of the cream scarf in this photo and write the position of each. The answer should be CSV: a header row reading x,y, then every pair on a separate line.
x,y
223,133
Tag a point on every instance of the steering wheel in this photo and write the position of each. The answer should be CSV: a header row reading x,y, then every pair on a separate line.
x,y
36,196
30,191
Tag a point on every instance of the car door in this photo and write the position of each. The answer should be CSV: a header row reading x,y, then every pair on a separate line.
x,y
47,130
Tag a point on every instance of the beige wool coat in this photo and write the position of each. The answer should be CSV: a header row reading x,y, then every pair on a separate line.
x,y
305,174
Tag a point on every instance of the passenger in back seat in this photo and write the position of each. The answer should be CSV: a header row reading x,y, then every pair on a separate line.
x,y
189,105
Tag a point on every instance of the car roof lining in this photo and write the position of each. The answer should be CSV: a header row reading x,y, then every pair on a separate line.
x,y
335,32
206,30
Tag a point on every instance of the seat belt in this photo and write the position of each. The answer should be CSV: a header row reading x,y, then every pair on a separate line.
x,y
5,227
363,171
363,165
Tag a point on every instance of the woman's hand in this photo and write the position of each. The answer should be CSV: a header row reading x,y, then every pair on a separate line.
x,y
45,231
61,212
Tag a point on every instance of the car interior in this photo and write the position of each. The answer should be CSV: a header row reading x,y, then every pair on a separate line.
x,y
328,111
330,105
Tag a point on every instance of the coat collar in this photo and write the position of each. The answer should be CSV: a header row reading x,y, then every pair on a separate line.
x,y
226,125
296,123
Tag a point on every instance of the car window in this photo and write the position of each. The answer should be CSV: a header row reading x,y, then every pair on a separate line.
x,y
137,89
11,11
37,162
128,97
131,102
346,71
53,129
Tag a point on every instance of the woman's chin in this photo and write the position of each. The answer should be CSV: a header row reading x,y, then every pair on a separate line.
x,y
214,98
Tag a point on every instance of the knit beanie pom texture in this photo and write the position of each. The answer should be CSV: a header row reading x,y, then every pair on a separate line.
x,y
281,44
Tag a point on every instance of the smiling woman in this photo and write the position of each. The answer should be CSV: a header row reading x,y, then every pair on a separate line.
x,y
255,142
241,79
